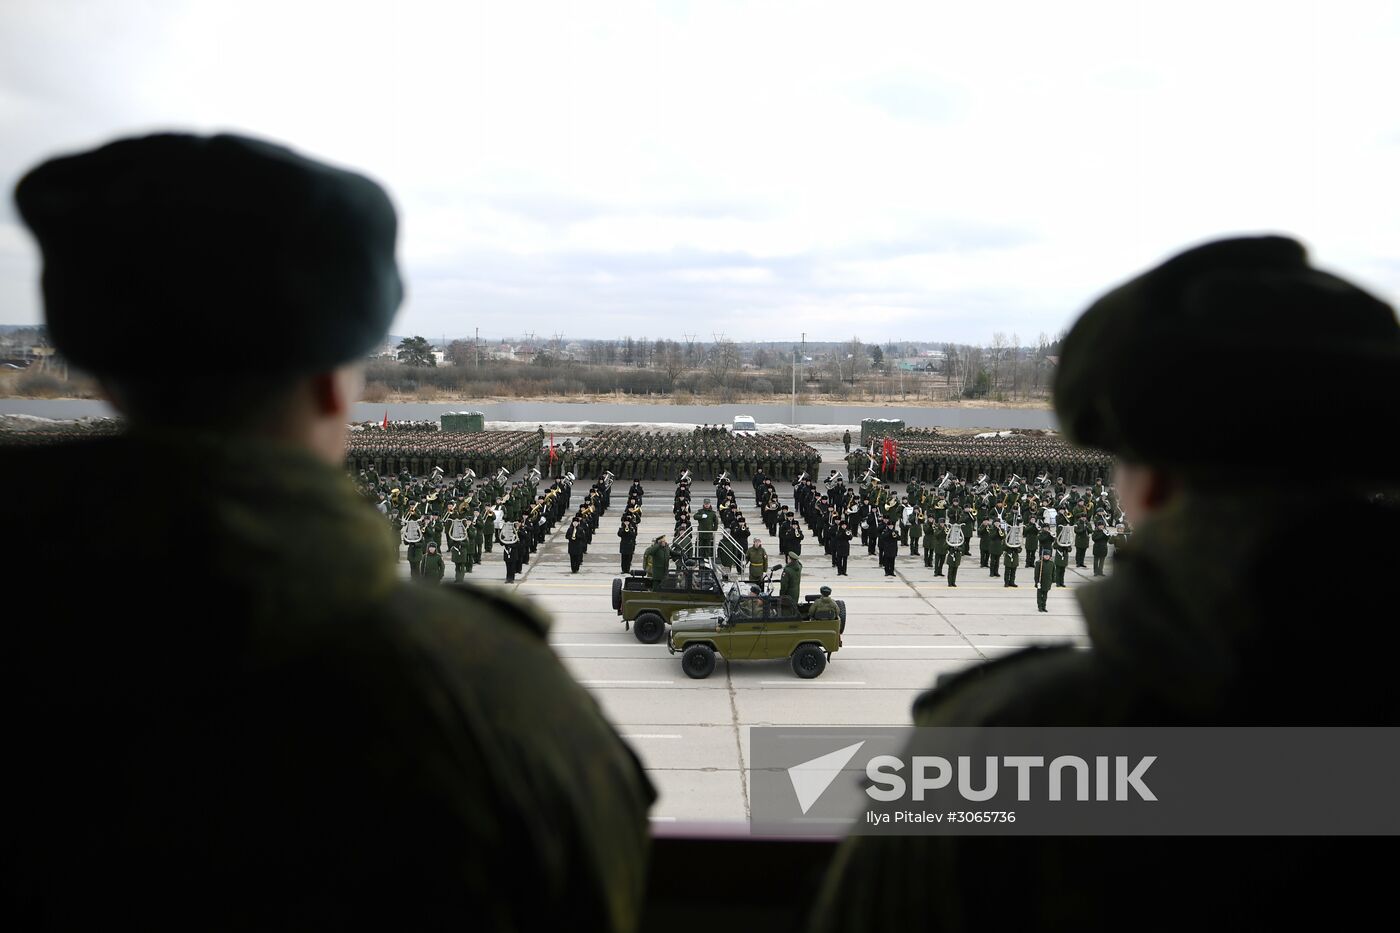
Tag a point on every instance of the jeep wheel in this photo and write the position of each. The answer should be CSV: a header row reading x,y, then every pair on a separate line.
x,y
808,661
841,604
649,627
698,661
617,594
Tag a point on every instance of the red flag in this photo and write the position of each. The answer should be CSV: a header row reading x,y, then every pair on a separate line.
x,y
552,456
385,425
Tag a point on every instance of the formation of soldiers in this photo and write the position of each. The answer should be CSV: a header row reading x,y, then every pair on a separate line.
x,y
397,427
584,524
1044,521
465,515
706,453
419,452
43,434
924,454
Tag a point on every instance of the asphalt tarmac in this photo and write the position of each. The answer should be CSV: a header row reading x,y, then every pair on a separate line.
x,y
902,632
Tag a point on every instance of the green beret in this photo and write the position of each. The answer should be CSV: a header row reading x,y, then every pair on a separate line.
x,y
221,253
1220,356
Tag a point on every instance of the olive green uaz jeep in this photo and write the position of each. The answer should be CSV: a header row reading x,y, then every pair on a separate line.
x,y
647,609
755,627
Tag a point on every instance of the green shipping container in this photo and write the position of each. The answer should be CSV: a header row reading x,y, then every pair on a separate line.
x,y
463,422
875,429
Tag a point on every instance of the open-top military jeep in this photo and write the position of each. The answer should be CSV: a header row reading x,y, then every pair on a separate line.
x,y
755,627
647,608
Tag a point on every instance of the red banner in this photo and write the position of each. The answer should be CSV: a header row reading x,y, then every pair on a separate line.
x,y
888,456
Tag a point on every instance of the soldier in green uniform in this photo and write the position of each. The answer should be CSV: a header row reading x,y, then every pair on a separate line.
x,y
757,559
790,586
656,560
846,439
706,521
432,570
329,746
1176,637
955,557
461,558
824,607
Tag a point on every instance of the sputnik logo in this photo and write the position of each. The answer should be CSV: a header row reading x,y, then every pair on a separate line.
x,y
811,778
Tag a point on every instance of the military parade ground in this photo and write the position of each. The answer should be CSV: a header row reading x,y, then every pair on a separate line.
x,y
692,735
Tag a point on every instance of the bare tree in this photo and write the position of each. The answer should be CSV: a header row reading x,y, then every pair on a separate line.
x,y
855,359
460,352
672,360
997,354
721,363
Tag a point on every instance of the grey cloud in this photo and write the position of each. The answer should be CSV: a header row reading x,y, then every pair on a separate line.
x,y
917,98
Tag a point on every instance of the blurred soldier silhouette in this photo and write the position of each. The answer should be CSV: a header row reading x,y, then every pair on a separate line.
x,y
1176,638
295,737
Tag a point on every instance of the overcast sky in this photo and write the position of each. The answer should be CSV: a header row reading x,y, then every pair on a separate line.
x,y
923,171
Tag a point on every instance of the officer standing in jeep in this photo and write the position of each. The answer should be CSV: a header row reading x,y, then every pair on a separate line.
x,y
757,559
706,521
656,560
790,586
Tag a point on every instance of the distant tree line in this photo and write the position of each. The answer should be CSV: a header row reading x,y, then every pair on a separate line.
x,y
723,370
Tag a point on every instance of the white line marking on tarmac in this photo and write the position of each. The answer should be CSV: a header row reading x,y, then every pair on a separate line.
x,y
789,683
609,644
648,735
597,644
668,819
611,683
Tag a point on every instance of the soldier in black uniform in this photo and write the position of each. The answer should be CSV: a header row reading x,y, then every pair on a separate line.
x,y
627,535
1100,548
1170,645
841,548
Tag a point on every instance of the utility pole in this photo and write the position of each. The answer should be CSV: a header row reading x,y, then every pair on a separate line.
x,y
792,418
478,348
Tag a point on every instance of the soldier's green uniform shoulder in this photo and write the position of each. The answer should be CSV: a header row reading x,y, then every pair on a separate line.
x,y
1039,685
